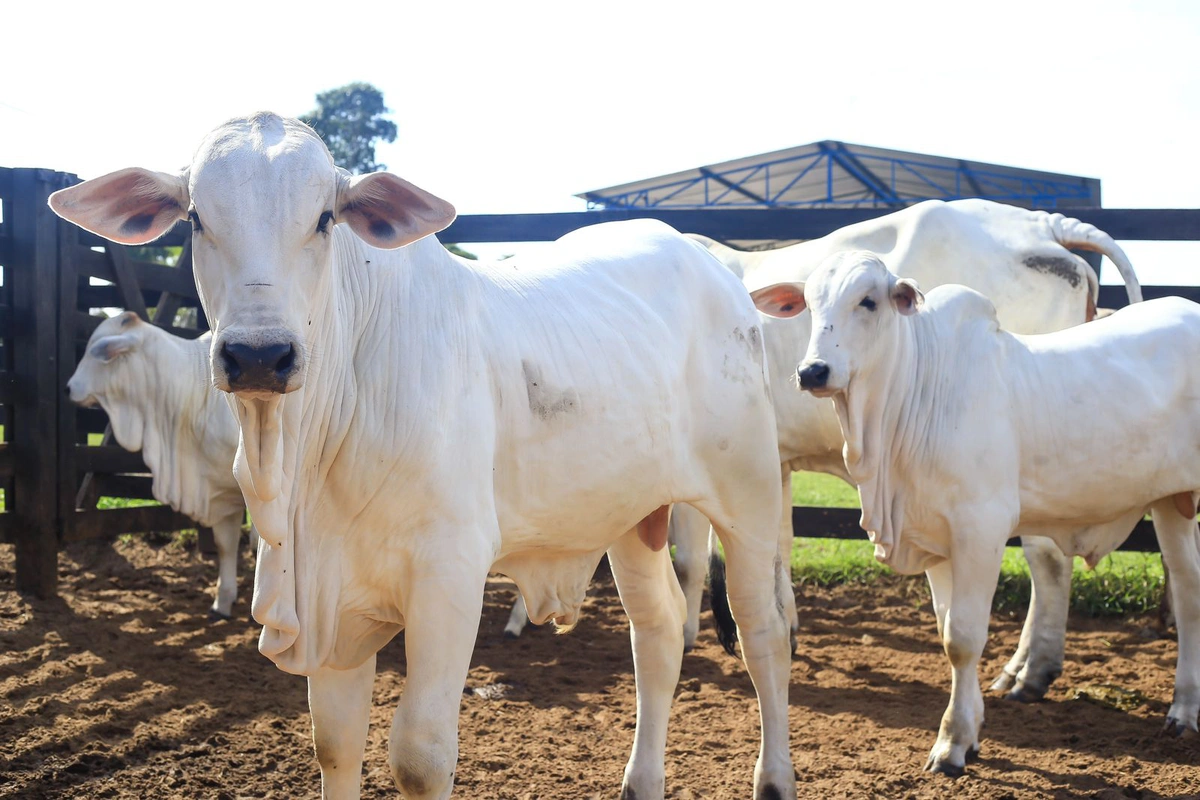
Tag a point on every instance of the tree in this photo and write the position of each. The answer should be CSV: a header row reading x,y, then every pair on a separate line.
x,y
350,120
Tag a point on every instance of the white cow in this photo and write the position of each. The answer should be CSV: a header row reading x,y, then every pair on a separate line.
x,y
1018,258
410,420
958,432
156,391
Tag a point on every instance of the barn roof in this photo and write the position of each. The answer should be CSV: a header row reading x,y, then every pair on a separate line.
x,y
836,174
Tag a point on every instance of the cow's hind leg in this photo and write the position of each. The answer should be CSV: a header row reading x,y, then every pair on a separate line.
x,y
656,608
1038,661
340,704
941,586
689,533
518,618
974,569
227,534
1179,541
752,556
442,600
783,577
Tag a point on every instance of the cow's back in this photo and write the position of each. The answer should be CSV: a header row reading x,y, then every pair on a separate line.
x,y
1103,402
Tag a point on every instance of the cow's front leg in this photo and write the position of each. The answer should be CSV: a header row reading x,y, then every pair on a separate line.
x,y
227,534
974,568
1038,660
340,704
689,533
763,629
442,605
1179,541
656,608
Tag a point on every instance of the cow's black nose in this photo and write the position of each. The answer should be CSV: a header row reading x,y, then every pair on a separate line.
x,y
814,375
266,368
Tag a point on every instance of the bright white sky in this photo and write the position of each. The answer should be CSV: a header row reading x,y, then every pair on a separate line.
x,y
517,106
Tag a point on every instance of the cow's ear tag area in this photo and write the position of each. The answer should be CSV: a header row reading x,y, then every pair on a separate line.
x,y
780,300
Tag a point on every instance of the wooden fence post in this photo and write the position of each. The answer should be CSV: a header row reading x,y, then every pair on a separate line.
x,y
35,276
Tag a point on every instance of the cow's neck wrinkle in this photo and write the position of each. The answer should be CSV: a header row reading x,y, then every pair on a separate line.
x,y
878,422
370,297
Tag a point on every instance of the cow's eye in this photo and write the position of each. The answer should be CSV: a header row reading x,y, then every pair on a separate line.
x,y
194,218
324,221
868,304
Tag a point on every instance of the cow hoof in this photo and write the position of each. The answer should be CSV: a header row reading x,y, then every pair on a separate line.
x,y
509,635
687,648
217,616
945,767
769,792
972,753
1179,728
1003,683
1026,693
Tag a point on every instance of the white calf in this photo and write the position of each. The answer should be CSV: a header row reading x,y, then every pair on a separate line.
x,y
156,391
958,433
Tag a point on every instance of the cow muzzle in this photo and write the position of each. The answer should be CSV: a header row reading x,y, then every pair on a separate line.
x,y
77,395
813,376
267,366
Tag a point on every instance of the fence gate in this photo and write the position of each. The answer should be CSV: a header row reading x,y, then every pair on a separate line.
x,y
55,283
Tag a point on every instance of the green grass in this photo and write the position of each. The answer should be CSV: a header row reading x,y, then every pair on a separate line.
x,y
108,503
826,491
1122,583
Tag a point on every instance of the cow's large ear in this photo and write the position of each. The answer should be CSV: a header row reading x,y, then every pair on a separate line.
x,y
130,206
906,297
389,212
781,300
109,347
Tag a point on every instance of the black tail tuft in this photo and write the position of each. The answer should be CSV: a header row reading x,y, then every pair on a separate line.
x,y
727,633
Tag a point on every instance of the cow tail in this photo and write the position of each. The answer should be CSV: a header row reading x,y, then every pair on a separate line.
x,y
1074,234
718,597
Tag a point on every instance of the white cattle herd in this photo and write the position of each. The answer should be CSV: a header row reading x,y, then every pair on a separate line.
x,y
400,422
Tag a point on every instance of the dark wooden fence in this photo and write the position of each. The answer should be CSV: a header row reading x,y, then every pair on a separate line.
x,y
51,476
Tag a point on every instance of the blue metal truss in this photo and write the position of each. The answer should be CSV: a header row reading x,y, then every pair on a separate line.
x,y
878,182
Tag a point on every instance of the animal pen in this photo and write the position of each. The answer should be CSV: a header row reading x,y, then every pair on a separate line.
x,y
52,476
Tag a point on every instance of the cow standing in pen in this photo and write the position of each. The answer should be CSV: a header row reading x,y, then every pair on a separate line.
x,y
410,420
1019,259
958,432
156,390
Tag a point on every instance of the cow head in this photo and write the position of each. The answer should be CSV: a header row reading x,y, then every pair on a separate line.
x,y
263,196
854,301
109,371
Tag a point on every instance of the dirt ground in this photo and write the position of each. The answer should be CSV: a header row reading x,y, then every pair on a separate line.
x,y
123,688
